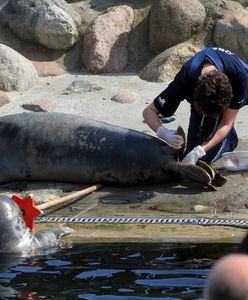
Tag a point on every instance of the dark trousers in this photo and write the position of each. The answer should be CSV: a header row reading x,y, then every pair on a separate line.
x,y
202,130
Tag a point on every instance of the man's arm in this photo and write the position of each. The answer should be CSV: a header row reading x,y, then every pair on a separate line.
x,y
167,103
224,127
151,116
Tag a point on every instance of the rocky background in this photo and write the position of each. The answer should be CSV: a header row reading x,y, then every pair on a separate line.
x,y
98,47
151,38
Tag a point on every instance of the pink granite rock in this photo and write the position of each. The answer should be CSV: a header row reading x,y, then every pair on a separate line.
x,y
105,46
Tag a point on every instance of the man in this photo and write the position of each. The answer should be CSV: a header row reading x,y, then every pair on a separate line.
x,y
215,83
228,279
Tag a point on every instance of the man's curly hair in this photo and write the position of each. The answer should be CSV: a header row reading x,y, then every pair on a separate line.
x,y
213,93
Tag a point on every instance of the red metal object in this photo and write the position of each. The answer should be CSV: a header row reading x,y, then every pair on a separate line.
x,y
30,295
30,211
27,206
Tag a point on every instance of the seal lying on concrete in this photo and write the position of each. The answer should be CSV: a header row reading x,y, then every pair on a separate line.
x,y
62,147
15,236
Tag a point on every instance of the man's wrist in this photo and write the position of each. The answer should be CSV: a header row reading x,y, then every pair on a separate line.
x,y
200,151
160,130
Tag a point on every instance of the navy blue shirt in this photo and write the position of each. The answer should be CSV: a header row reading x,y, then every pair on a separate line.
x,y
183,85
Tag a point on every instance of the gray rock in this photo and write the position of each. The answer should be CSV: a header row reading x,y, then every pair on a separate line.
x,y
218,8
80,86
174,21
70,11
32,107
165,66
50,23
232,32
16,72
125,96
243,2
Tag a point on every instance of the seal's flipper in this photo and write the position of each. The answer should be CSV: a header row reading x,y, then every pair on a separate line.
x,y
181,151
50,237
194,173
216,178
219,180
207,168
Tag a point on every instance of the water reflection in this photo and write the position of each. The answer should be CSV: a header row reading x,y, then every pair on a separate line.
x,y
111,271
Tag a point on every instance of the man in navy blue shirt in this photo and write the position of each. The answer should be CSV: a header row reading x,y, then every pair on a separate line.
x,y
215,83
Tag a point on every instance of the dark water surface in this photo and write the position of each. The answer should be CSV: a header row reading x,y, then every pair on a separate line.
x,y
111,272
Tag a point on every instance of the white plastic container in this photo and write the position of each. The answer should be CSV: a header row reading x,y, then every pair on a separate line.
x,y
236,160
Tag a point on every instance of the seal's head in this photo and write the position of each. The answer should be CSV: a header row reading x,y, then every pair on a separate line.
x,y
14,234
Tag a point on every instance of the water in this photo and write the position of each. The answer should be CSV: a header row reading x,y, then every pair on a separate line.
x,y
111,272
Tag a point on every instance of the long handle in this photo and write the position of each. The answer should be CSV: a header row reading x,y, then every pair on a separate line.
x,y
70,197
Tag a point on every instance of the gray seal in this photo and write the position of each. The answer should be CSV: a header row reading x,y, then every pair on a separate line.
x,y
15,236
62,147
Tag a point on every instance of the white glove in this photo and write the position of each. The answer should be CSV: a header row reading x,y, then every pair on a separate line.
x,y
174,140
193,156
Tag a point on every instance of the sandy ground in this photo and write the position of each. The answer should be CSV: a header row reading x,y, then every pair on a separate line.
x,y
175,200
51,95
97,104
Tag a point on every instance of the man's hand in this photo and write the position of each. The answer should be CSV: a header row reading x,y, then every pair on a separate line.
x,y
174,140
193,156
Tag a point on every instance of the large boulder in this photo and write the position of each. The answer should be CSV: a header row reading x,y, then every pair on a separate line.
x,y
50,23
165,66
16,72
218,8
243,2
231,32
174,21
139,52
105,44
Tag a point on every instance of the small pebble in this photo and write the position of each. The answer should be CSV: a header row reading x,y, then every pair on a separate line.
x,y
200,208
